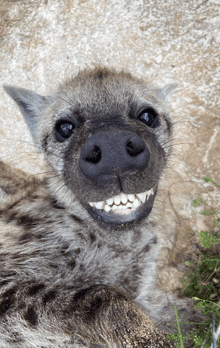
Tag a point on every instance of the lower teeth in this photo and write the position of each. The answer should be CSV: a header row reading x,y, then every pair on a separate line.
x,y
122,205
121,208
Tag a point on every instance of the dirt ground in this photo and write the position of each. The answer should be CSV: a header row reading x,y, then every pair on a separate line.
x,y
42,42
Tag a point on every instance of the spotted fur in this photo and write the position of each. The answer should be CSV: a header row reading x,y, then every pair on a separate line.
x,y
66,278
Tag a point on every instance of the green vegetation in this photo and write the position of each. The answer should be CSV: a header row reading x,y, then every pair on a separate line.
x,y
202,282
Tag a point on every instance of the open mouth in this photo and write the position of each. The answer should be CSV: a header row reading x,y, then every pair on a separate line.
x,y
123,208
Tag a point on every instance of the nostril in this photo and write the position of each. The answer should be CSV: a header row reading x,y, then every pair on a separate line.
x,y
134,149
93,155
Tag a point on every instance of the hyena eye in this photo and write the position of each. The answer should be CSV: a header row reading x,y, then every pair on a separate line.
x,y
149,117
64,130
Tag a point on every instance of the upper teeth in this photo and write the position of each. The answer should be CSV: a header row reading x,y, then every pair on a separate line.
x,y
123,203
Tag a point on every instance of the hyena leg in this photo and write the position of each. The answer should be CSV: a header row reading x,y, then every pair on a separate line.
x,y
109,317
13,180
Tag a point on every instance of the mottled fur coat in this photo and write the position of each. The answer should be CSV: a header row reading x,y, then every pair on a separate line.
x,y
79,249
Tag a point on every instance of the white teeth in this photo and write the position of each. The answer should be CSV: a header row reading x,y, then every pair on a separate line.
x,y
123,203
107,208
136,203
150,192
124,198
117,200
141,196
131,198
99,205
110,201
115,207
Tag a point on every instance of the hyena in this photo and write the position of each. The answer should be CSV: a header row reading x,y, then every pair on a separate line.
x,y
79,248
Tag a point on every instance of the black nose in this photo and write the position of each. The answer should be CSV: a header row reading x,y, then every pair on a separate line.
x,y
107,153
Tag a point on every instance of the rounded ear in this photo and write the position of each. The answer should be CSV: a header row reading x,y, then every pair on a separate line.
x,y
167,89
31,106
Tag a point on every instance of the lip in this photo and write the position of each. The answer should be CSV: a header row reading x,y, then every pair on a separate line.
x,y
118,217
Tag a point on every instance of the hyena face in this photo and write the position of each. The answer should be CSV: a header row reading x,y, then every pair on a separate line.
x,y
103,134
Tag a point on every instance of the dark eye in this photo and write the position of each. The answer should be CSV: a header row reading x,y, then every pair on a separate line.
x,y
149,117
64,130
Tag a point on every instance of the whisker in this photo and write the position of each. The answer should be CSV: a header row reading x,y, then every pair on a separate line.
x,y
32,144
22,141
164,129
174,171
55,176
172,143
47,172
33,155
60,187
173,157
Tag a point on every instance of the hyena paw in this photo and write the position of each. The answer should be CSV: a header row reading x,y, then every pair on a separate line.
x,y
110,317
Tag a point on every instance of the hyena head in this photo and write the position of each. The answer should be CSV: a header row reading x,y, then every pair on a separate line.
x,y
104,135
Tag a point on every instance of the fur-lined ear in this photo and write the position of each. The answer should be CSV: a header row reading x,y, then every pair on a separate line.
x,y
168,89
31,105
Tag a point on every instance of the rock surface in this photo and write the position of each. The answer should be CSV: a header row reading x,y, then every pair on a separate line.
x,y
42,42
